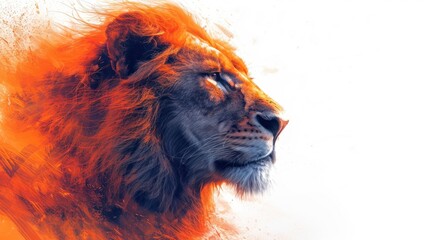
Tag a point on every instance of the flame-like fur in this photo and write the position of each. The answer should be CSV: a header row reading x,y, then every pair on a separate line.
x,y
92,144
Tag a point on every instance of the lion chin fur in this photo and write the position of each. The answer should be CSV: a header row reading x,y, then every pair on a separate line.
x,y
83,127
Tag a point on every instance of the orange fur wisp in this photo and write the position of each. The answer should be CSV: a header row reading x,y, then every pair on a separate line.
x,y
123,130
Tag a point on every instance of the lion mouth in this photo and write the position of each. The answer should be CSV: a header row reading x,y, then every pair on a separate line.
x,y
222,165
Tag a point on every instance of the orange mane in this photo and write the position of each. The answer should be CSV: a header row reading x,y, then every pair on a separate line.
x,y
63,120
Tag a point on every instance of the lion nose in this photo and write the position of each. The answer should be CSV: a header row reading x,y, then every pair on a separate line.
x,y
271,122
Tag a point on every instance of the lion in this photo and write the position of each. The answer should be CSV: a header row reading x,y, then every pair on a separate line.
x,y
125,130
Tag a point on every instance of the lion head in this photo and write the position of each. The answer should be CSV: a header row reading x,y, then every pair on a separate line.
x,y
148,109
212,122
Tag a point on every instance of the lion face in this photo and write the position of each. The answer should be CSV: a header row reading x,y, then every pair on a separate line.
x,y
219,125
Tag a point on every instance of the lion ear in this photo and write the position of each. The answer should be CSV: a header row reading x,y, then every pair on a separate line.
x,y
130,41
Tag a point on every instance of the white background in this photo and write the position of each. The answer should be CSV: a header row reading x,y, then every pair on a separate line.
x,y
353,78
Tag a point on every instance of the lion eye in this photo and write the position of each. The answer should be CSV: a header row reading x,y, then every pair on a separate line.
x,y
221,80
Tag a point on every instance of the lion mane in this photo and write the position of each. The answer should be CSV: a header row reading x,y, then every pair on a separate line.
x,y
105,131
